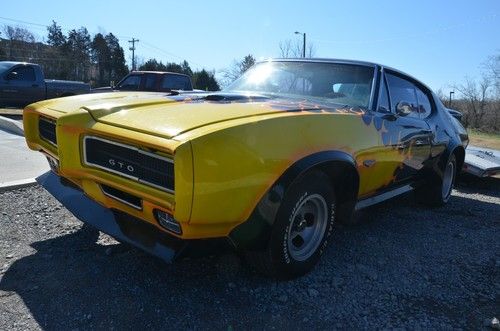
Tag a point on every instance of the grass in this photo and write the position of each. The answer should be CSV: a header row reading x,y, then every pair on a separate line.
x,y
482,139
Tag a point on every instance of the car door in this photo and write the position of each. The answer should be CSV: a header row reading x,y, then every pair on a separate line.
x,y
406,136
20,86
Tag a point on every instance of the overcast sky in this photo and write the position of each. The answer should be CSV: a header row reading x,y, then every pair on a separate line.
x,y
438,42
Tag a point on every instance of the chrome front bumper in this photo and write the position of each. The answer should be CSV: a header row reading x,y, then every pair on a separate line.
x,y
120,226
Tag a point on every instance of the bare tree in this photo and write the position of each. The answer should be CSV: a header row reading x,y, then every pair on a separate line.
x,y
19,34
476,97
491,68
237,69
21,43
290,49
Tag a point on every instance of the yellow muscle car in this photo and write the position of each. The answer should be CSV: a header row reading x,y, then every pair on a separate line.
x,y
270,164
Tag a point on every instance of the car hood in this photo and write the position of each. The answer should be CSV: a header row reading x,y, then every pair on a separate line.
x,y
167,115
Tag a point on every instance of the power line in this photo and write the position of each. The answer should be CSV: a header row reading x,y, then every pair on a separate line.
x,y
23,22
168,53
147,44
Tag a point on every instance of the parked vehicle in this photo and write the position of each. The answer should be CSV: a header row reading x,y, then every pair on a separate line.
x,y
481,161
270,164
23,83
159,81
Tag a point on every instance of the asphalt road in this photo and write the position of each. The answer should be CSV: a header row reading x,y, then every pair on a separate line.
x,y
404,267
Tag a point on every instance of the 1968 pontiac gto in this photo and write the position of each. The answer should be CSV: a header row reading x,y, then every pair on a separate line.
x,y
270,164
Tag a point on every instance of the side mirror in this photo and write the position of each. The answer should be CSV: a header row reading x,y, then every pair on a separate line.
x,y
11,75
403,108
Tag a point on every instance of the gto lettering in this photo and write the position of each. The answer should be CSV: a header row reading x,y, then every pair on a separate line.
x,y
117,164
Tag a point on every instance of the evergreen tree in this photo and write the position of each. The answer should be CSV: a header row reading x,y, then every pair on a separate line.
x,y
186,69
117,68
204,80
55,36
78,47
101,56
153,65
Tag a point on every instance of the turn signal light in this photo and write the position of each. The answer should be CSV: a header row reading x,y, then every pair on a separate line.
x,y
168,222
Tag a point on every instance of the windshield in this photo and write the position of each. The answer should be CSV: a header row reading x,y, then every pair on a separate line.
x,y
345,84
130,83
4,66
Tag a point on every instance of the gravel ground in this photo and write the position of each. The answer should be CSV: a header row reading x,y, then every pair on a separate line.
x,y
404,266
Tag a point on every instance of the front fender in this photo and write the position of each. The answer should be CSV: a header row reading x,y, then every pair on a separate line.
x,y
255,232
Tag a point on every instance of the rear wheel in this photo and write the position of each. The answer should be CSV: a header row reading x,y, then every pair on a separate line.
x,y
437,192
301,230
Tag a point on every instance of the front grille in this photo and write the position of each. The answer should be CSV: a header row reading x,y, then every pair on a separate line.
x,y
121,196
47,130
130,162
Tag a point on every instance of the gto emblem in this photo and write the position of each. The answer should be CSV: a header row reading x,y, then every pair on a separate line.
x,y
120,165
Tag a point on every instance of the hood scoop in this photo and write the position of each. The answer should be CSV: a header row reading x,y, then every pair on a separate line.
x,y
235,97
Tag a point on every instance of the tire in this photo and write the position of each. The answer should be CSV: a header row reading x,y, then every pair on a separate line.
x,y
300,233
436,193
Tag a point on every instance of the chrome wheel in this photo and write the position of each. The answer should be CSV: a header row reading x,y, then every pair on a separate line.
x,y
449,174
307,228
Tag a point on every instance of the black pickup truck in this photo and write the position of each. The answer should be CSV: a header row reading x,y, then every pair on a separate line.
x,y
158,81
23,83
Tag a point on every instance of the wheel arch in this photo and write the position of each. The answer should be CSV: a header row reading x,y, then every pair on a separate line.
x,y
453,149
459,152
339,166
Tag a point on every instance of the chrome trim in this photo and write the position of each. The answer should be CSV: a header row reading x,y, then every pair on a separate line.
x,y
121,200
120,173
47,120
371,105
383,196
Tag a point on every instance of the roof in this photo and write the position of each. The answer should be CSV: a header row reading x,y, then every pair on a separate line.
x,y
157,72
16,62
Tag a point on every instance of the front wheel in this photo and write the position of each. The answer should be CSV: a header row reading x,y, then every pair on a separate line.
x,y
300,234
438,192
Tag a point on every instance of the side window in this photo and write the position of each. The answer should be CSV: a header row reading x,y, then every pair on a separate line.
x,y
402,90
149,85
424,104
25,74
383,98
175,82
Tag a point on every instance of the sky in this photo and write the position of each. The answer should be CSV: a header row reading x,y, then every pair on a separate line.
x,y
439,42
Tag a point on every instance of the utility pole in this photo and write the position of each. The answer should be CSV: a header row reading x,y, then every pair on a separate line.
x,y
304,44
449,102
133,41
304,47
